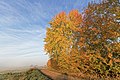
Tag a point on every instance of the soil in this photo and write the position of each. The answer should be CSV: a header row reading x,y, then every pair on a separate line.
x,y
57,76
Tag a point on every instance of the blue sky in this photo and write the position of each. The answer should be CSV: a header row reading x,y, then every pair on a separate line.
x,y
23,26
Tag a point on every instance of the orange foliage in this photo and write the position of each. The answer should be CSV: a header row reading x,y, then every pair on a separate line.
x,y
87,42
49,63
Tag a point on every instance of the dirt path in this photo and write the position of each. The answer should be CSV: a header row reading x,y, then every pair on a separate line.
x,y
56,76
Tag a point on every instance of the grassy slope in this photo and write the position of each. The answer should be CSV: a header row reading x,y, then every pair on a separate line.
x,y
32,74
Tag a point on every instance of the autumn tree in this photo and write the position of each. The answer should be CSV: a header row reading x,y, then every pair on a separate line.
x,y
61,37
99,43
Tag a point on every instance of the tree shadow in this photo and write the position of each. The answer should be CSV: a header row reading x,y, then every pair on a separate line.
x,y
63,76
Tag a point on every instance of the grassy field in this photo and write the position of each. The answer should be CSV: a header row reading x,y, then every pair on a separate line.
x,y
32,74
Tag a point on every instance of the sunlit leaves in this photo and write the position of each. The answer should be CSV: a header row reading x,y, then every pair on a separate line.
x,y
60,37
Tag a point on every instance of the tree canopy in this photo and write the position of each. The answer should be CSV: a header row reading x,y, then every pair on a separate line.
x,y
88,41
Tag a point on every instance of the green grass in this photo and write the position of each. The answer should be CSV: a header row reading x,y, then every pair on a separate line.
x,y
32,74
